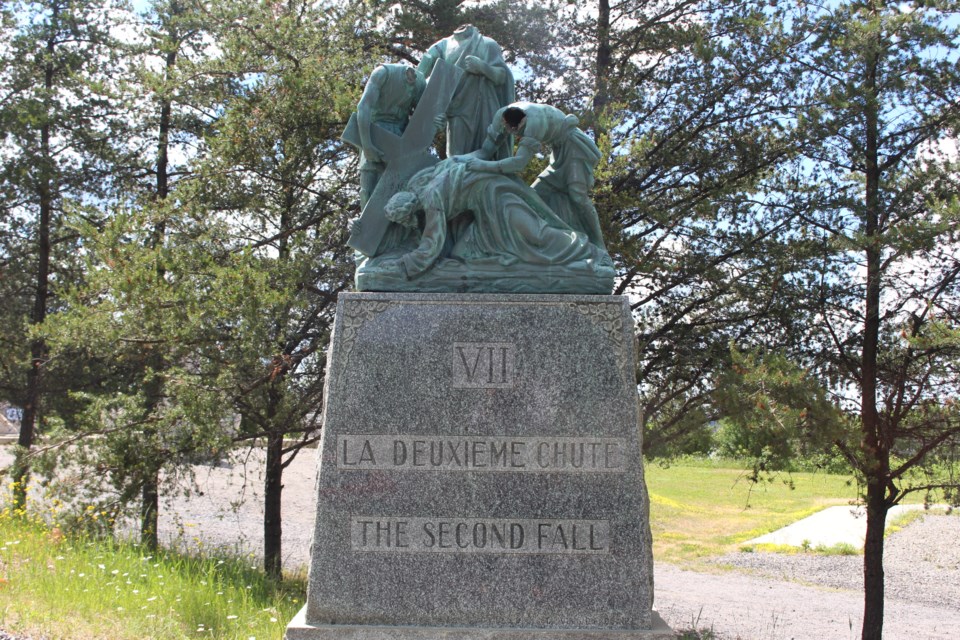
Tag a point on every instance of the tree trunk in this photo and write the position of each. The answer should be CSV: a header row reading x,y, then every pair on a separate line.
x,y
873,563
150,494
272,523
874,445
38,348
273,481
604,61
150,511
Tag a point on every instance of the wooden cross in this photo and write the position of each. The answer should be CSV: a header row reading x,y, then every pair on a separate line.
x,y
404,155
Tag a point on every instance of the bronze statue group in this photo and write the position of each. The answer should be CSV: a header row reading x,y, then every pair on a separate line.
x,y
469,223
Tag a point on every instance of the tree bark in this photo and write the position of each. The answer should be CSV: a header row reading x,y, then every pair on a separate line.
x,y
276,429
604,62
873,443
873,582
150,511
272,519
38,348
150,493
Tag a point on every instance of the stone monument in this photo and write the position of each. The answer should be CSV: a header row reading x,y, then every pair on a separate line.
x,y
480,468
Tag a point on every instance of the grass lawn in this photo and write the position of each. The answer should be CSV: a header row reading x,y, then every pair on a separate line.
x,y
57,587
703,508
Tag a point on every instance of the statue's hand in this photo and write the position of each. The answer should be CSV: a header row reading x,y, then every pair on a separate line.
x,y
372,154
354,226
473,64
476,164
440,121
466,157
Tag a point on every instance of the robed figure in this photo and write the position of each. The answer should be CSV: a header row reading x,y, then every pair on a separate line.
x,y
485,87
566,183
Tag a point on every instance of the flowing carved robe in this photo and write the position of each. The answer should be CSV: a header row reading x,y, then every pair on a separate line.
x,y
476,98
511,225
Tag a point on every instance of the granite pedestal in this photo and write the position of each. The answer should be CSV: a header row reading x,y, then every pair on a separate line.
x,y
480,473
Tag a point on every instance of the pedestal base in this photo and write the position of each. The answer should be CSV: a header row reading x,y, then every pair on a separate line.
x,y
481,472
298,629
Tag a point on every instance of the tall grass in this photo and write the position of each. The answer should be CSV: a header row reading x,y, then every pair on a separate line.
x,y
65,587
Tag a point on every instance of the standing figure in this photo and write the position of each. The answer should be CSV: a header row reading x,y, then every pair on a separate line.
x,y
388,99
566,182
486,86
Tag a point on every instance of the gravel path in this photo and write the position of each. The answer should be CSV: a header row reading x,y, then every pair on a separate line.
x,y
921,564
737,606
766,597
814,596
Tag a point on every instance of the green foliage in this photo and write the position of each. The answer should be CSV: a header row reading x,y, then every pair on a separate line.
x,y
278,176
697,634
60,125
879,282
774,412
174,301
678,430
57,128
530,34
691,123
209,292
880,90
839,549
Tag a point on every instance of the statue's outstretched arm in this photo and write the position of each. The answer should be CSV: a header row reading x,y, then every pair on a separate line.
x,y
495,136
428,60
513,164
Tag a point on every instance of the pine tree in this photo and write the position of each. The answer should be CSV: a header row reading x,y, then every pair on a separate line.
x,y
279,173
689,103
59,130
882,110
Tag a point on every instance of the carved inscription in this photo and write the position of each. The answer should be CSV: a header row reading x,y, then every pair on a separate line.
x,y
474,535
466,453
483,365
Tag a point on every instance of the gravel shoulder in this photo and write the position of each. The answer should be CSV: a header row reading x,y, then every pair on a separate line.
x,y
751,596
921,564
772,595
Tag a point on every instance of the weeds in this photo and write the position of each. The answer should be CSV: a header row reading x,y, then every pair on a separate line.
x,y
695,632
88,586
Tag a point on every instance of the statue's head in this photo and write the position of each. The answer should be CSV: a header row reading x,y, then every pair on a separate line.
x,y
402,208
464,30
513,117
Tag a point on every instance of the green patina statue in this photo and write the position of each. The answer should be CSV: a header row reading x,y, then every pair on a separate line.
x,y
512,241
468,223
388,99
485,86
566,182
